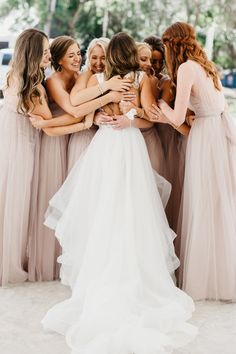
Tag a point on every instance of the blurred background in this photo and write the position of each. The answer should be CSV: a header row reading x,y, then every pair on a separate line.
x,y
214,21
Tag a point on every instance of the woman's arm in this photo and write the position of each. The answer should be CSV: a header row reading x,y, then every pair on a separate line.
x,y
65,119
69,129
37,121
81,93
39,107
146,95
121,122
168,97
62,98
185,80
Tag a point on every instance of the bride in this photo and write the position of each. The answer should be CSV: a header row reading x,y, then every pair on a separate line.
x,y
117,246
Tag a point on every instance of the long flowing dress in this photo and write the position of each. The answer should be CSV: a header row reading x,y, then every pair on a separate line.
x,y
118,254
174,147
44,249
208,228
18,154
155,149
78,142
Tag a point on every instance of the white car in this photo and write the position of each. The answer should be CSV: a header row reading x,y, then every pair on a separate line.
x,y
5,58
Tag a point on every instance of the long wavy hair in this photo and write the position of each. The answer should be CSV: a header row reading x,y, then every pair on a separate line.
x,y
122,56
25,67
58,49
181,44
102,42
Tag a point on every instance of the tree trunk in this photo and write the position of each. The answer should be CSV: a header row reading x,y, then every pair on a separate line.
x,y
51,5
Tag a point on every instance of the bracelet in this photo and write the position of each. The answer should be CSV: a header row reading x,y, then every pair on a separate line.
x,y
131,114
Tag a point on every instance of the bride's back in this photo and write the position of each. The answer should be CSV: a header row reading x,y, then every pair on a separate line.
x,y
122,59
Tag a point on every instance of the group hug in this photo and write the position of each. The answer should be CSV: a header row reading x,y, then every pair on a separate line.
x,y
118,176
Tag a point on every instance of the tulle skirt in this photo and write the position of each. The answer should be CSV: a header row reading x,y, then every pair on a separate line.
x,y
49,175
208,228
18,155
77,144
118,253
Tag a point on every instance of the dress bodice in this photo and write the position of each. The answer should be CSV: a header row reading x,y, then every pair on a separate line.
x,y
206,100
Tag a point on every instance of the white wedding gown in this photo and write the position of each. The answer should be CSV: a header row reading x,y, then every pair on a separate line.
x,y
118,254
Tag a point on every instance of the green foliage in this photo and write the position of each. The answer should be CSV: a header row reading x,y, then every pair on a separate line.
x,y
93,18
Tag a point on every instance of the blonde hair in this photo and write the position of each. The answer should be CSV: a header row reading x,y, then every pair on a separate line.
x,y
142,45
181,45
102,42
25,67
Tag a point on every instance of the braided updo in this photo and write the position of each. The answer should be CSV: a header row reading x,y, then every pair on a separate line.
x,y
181,44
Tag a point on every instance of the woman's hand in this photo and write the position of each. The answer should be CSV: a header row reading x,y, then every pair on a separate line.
x,y
37,121
120,122
125,106
102,118
116,83
190,119
116,97
155,114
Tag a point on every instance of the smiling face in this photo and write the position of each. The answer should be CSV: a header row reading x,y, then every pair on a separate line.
x,y
45,61
157,61
97,59
145,55
71,61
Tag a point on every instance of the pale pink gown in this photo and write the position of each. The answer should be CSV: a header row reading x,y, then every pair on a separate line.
x,y
44,249
155,150
208,227
78,142
18,156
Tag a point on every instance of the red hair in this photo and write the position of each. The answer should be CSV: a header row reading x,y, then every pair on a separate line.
x,y
181,44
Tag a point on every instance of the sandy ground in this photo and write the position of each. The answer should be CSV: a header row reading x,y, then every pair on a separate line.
x,y
23,306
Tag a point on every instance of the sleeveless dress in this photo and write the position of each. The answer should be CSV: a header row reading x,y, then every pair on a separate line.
x,y
44,249
117,254
18,158
208,225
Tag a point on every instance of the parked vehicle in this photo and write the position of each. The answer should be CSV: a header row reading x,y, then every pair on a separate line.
x,y
5,58
229,78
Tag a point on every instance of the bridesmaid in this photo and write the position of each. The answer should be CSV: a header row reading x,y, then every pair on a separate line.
x,y
150,134
66,60
19,152
44,249
173,141
208,225
95,62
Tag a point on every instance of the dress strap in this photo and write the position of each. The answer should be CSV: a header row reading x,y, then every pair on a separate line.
x,y
100,78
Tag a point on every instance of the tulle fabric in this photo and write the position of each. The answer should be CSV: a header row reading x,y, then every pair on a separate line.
x,y
174,148
208,230
77,144
155,149
208,225
117,254
18,156
44,248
